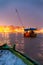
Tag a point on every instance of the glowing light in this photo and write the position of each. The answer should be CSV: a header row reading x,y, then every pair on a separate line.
x,y
1,29
41,31
7,29
11,29
16,30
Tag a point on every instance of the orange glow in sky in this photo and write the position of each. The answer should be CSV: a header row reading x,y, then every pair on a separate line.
x,y
41,31
12,29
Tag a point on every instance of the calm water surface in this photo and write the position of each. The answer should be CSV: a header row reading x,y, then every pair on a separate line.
x,y
31,47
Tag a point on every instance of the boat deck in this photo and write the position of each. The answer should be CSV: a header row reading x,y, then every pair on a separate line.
x,y
9,56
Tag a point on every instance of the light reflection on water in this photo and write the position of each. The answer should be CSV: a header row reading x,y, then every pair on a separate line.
x,y
32,47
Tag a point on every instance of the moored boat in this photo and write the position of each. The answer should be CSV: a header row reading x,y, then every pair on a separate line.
x,y
29,32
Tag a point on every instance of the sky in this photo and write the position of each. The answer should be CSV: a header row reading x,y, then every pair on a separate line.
x,y
30,13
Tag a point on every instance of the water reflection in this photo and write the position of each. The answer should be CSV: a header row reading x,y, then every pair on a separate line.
x,y
32,47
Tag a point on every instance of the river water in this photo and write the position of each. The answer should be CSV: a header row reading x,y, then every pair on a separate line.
x,y
31,47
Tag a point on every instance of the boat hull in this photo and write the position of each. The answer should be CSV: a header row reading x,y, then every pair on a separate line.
x,y
26,60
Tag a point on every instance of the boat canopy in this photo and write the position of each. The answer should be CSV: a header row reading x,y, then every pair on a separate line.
x,y
27,29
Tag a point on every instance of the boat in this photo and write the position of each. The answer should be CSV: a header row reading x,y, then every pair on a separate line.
x,y
29,32
9,56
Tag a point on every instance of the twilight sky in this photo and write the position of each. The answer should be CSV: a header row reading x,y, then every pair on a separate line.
x,y
30,11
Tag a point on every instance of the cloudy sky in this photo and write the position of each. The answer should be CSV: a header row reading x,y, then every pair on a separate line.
x,y
30,12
